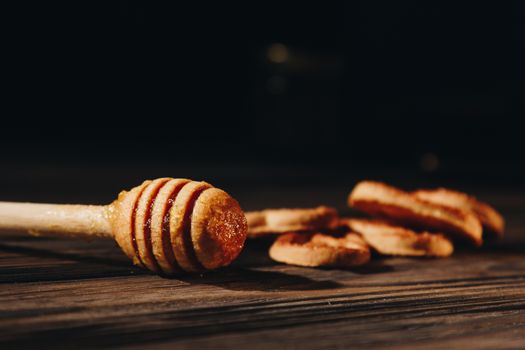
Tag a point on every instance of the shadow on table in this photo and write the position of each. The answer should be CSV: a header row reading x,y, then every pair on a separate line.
x,y
250,279
255,271
58,266
234,278
53,254
251,272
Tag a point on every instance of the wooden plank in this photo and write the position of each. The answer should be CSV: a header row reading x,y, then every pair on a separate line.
x,y
143,308
61,293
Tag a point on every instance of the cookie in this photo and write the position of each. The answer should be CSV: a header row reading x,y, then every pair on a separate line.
x,y
278,221
491,220
379,199
319,249
389,239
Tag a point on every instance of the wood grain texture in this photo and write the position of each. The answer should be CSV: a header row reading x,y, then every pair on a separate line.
x,y
60,293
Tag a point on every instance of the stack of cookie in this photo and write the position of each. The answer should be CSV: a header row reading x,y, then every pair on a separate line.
x,y
423,223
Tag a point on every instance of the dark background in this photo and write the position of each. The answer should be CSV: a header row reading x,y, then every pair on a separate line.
x,y
98,96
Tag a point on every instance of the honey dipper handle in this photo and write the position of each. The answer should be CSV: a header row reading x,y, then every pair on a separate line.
x,y
55,219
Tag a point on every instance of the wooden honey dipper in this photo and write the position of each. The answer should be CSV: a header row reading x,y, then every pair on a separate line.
x,y
167,225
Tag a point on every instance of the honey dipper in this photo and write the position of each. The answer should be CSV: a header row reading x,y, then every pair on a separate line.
x,y
167,225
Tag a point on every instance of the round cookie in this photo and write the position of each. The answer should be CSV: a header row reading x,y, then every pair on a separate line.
x,y
318,249
490,219
382,200
389,239
272,222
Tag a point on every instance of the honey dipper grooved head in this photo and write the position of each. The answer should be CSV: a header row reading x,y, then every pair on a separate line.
x,y
171,226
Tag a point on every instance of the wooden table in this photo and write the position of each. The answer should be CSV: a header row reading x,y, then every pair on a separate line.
x,y
57,293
